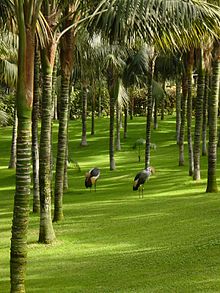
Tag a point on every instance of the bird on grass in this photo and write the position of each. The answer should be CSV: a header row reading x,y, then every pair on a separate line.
x,y
91,178
140,179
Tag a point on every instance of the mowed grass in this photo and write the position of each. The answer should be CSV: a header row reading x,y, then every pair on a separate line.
x,y
112,241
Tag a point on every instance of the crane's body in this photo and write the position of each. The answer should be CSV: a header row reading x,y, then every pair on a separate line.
x,y
91,178
140,179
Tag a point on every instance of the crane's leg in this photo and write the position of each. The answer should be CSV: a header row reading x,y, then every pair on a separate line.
x,y
95,186
142,191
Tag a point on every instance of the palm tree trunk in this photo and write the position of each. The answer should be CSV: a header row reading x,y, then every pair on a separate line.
x,y
155,113
12,162
111,133
65,180
204,120
35,146
93,111
54,94
24,98
183,119
198,117
66,60
190,60
163,100
212,149
178,109
131,108
61,149
125,121
84,115
46,233
118,126
100,103
149,111
111,82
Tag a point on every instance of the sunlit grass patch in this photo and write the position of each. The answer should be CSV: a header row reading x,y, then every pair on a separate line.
x,y
112,241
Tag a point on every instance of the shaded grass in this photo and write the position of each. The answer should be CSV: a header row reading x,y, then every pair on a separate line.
x,y
110,241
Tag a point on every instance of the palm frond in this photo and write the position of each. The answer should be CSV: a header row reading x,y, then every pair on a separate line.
x,y
3,118
8,73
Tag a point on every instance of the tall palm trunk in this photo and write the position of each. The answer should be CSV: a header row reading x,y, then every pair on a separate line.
x,y
198,116
131,108
46,233
125,121
93,111
118,126
178,109
183,119
149,111
66,61
84,116
35,146
12,162
61,149
190,60
54,94
204,116
111,83
99,102
65,180
155,113
212,149
24,99
163,100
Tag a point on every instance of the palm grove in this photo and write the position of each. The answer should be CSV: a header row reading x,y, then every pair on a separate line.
x,y
106,53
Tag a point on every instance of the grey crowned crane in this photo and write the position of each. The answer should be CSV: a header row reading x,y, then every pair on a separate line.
x,y
141,178
91,178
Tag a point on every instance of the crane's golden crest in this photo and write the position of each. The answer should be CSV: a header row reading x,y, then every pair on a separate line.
x,y
152,170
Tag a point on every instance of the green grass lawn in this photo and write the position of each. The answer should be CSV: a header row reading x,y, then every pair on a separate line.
x,y
112,241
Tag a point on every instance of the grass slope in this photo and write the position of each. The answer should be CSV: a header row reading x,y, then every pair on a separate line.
x,y
111,241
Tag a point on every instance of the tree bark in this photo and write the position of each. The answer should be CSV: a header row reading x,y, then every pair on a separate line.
x,y
24,100
35,145
204,120
66,60
93,112
183,119
155,113
212,149
198,117
149,111
125,121
111,83
190,61
178,109
54,94
118,126
84,116
46,233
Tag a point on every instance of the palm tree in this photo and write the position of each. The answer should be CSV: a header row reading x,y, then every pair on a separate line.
x,y
66,63
183,119
149,106
35,145
50,10
26,13
189,69
213,105
198,115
